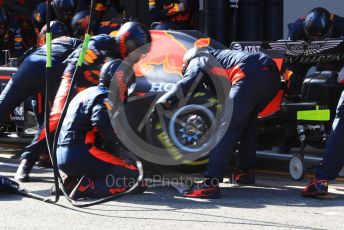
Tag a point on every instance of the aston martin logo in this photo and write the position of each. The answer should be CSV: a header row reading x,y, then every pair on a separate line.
x,y
303,48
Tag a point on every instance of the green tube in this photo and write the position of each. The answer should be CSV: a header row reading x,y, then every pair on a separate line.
x,y
83,50
48,41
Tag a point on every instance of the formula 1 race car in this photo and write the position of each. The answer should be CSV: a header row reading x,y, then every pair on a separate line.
x,y
181,139
309,116
156,74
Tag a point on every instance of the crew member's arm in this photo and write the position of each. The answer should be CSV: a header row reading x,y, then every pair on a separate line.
x,y
296,30
194,75
101,119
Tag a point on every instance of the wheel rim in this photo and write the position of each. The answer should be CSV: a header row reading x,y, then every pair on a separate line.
x,y
190,126
296,167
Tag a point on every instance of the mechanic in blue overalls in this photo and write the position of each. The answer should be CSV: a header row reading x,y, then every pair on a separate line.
x,y
132,42
255,81
333,159
317,25
87,150
28,81
20,35
3,28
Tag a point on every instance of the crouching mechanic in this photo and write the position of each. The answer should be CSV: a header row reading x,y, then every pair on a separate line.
x,y
132,42
255,81
333,159
87,150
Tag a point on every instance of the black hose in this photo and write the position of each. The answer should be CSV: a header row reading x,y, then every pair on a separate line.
x,y
52,144
46,105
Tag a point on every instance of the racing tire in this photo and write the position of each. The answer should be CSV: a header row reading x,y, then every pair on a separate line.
x,y
194,106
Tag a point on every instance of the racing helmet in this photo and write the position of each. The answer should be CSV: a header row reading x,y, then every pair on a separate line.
x,y
39,15
108,70
120,70
80,23
318,24
134,40
64,9
57,28
191,54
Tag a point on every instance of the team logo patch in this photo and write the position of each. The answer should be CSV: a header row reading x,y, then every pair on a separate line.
x,y
108,104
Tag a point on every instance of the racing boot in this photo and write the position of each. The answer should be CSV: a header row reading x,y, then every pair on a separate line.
x,y
208,189
316,188
141,188
88,189
245,177
24,170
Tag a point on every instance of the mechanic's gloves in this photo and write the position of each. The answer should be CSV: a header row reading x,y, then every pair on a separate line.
x,y
340,79
162,103
166,101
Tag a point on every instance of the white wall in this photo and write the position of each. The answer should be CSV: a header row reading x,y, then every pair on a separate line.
x,y
296,8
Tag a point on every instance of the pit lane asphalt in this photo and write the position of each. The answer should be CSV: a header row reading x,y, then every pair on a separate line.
x,y
274,203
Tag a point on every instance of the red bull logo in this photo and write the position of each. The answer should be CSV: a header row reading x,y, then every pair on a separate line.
x,y
166,51
123,88
202,42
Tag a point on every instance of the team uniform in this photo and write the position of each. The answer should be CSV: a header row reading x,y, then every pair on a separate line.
x,y
255,81
20,36
99,50
87,145
28,81
297,31
89,77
